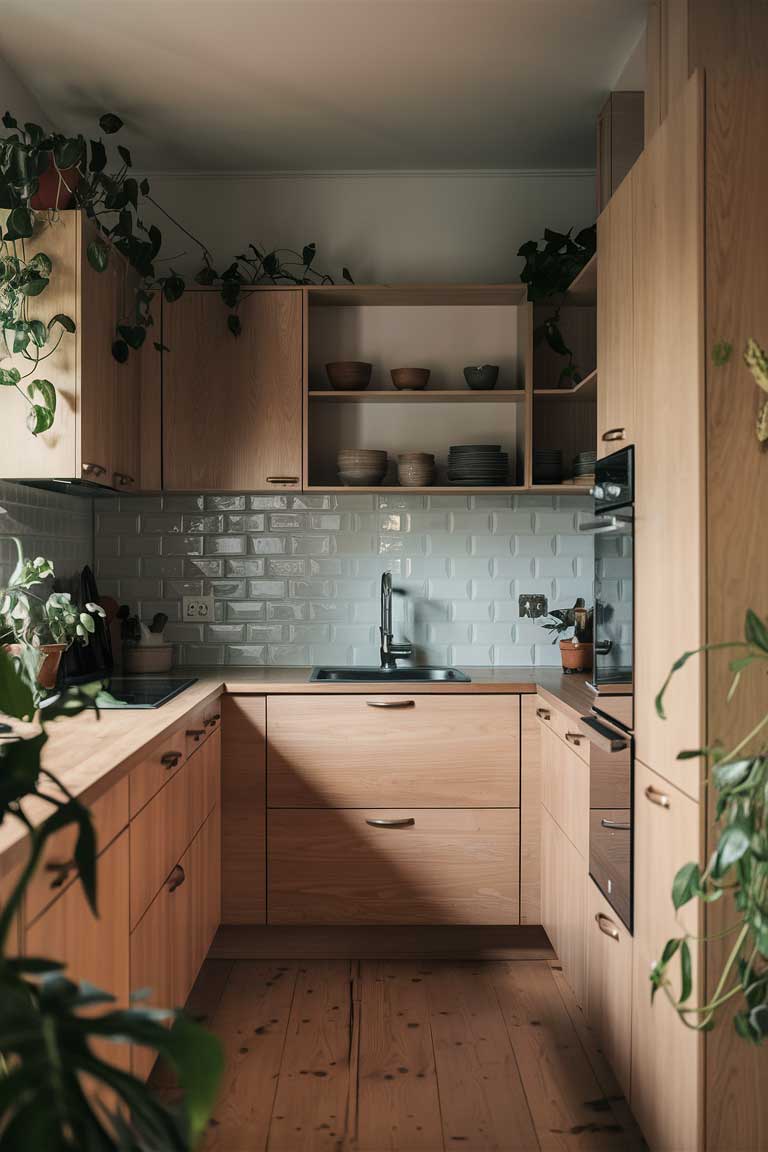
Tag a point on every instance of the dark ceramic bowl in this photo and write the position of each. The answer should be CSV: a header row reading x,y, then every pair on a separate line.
x,y
483,378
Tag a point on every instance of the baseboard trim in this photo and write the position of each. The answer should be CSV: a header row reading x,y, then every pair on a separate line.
x,y
332,942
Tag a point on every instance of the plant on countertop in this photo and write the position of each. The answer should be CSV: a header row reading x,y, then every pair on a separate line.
x,y
756,360
579,618
46,1053
548,271
738,866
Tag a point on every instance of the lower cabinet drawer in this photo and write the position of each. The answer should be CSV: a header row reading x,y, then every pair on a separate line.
x,y
564,877
393,866
609,983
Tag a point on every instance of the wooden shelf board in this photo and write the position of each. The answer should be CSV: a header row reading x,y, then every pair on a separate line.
x,y
426,295
426,396
441,489
586,389
583,288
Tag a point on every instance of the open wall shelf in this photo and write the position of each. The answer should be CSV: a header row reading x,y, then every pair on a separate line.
x,y
443,328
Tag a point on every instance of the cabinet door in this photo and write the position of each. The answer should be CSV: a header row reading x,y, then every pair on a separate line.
x,y
152,964
101,304
244,810
609,982
195,907
93,948
665,1054
564,901
565,789
126,463
616,382
232,406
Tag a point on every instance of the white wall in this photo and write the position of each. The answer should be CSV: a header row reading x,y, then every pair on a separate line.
x,y
386,227
17,99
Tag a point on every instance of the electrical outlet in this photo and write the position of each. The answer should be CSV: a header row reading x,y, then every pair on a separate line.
x,y
532,606
197,608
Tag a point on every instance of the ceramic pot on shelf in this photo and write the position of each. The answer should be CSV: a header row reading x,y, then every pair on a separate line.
x,y
576,656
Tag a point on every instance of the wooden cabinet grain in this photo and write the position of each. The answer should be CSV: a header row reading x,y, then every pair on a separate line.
x,y
616,372
244,810
608,1003
564,901
232,406
565,789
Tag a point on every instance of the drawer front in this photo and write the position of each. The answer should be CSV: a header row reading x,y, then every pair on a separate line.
x,y
57,869
393,751
609,983
610,856
148,778
452,866
162,830
566,728
564,901
565,789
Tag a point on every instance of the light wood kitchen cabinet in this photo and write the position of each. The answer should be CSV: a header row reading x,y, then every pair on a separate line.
x,y
564,901
232,406
94,948
565,784
665,1054
95,435
616,368
151,952
244,810
393,866
608,1004
393,751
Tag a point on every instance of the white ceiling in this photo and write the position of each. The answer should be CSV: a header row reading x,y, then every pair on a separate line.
x,y
307,85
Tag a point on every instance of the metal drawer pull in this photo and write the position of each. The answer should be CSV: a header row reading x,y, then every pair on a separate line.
x,y
195,733
96,469
606,925
618,825
657,797
123,478
403,822
391,703
176,878
614,434
543,714
282,479
211,721
574,738
61,870
170,759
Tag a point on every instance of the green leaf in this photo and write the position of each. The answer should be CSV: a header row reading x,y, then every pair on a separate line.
x,y
98,156
173,288
66,322
670,948
46,391
34,285
20,224
755,631
686,979
41,263
206,277
686,884
39,419
721,353
347,275
308,254
234,325
161,347
9,377
16,696
67,153
39,332
731,847
9,121
133,334
109,123
198,1060
729,774
125,155
120,351
144,187
98,255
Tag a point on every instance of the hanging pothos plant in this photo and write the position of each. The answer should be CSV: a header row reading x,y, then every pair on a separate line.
x,y
738,866
44,172
756,359
549,271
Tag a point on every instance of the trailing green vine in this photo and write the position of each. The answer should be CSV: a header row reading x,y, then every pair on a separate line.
x,y
738,865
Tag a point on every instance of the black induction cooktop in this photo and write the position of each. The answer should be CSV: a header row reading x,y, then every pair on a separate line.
x,y
140,691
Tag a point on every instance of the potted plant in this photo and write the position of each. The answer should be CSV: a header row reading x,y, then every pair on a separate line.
x,y
35,628
576,651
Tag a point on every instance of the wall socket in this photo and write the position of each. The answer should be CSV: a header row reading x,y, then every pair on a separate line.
x,y
532,606
197,608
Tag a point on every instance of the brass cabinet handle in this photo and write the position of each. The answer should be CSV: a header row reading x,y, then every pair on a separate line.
x,y
614,434
176,878
391,703
95,469
606,925
617,825
212,721
657,797
402,822
543,714
61,870
195,733
123,478
574,738
282,479
170,759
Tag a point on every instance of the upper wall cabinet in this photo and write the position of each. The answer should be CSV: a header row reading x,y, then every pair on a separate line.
x,y
232,406
616,387
95,434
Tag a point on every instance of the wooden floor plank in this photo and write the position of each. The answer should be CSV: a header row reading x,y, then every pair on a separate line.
x,y
482,1101
311,1104
398,1102
251,1021
568,1106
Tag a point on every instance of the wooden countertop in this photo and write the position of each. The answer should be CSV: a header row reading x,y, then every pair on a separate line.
x,y
90,752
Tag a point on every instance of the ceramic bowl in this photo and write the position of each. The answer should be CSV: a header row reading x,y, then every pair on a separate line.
x,y
482,378
409,379
349,375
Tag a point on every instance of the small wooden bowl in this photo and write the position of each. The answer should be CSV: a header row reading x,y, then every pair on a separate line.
x,y
409,379
349,375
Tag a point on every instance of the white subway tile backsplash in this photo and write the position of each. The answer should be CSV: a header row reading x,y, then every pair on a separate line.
x,y
208,524
224,545
197,566
242,567
225,503
250,522
248,654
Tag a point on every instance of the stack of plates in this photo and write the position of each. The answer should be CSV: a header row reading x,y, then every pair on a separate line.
x,y
477,465
416,469
361,466
547,466
584,468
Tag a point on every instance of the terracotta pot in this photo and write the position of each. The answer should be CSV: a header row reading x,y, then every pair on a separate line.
x,y
53,192
49,668
575,657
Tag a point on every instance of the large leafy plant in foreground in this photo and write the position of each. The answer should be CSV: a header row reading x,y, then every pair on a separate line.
x,y
738,866
46,1043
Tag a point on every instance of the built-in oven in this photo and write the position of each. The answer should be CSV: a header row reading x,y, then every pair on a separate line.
x,y
611,842
612,528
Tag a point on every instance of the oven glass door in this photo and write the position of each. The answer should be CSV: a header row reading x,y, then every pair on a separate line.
x,y
614,578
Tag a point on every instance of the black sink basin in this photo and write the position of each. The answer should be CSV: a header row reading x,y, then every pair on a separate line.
x,y
388,675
